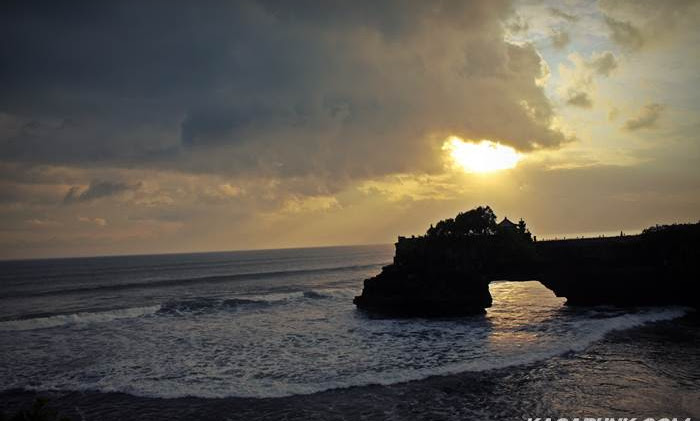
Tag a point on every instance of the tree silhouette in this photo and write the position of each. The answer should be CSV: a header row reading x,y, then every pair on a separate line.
x,y
476,222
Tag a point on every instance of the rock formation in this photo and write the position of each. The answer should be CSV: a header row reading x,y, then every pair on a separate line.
x,y
661,266
446,272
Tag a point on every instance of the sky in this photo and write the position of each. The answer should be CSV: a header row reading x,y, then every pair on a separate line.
x,y
169,126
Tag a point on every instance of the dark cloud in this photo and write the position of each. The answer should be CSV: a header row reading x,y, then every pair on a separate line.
x,y
646,119
579,84
638,24
603,63
579,99
624,33
97,190
563,15
264,88
560,39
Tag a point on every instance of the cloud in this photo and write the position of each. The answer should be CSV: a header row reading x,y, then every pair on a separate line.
x,y
517,24
42,223
98,189
638,24
261,123
578,79
221,193
579,99
265,88
310,204
624,33
560,39
563,15
100,222
602,63
646,118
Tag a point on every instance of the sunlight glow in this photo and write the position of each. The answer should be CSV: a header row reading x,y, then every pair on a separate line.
x,y
482,157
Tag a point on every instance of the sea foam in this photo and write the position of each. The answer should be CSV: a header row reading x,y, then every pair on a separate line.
x,y
295,342
77,318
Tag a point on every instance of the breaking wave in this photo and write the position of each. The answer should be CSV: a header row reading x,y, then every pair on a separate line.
x,y
77,318
251,386
282,343
186,307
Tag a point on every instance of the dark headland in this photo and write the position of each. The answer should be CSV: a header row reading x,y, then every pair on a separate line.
x,y
446,272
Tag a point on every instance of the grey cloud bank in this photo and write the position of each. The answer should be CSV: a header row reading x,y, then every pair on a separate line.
x,y
98,189
263,87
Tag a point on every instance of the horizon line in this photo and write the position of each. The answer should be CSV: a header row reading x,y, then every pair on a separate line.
x,y
547,237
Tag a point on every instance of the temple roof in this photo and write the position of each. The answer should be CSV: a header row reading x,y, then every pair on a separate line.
x,y
506,223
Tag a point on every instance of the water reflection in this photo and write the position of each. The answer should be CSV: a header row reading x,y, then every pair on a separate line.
x,y
520,313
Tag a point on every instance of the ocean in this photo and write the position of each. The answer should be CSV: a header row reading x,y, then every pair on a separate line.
x,y
274,334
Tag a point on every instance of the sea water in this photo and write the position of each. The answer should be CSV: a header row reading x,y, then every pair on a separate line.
x,y
260,324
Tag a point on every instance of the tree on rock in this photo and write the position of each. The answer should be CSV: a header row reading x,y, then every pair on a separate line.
x,y
476,222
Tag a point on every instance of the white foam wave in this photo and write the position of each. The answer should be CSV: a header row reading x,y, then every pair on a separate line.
x,y
589,332
316,293
280,389
77,318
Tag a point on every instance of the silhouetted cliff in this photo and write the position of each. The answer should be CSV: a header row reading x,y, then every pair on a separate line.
x,y
658,267
447,271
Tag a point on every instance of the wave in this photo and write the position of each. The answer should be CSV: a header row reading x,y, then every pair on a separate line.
x,y
315,295
77,318
203,305
195,280
198,306
250,386
281,389
187,307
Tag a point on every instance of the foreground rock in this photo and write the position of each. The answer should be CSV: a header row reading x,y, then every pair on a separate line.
x,y
447,271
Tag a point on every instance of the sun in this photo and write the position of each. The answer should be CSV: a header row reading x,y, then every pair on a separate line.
x,y
482,157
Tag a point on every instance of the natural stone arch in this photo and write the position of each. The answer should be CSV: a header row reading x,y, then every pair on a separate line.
x,y
449,274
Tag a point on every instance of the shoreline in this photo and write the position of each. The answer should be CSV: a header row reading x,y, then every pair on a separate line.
x,y
560,385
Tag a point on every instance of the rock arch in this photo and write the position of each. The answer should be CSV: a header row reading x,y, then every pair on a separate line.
x,y
449,275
